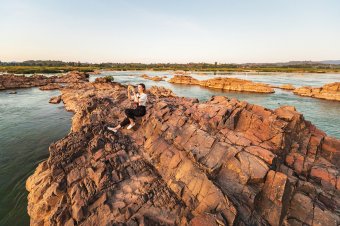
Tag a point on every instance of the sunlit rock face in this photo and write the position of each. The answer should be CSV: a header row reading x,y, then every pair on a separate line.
x,y
185,163
329,91
228,84
11,81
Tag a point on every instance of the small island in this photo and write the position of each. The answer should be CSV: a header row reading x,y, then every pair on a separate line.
x,y
226,84
327,92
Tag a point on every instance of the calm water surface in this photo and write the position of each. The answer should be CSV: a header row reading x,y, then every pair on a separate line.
x,y
28,125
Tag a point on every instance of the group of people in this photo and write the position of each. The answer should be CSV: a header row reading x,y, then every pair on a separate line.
x,y
140,98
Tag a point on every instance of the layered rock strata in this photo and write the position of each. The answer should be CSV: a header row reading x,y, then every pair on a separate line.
x,y
329,91
219,162
10,81
228,84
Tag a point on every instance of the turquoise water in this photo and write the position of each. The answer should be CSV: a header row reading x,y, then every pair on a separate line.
x,y
324,114
28,125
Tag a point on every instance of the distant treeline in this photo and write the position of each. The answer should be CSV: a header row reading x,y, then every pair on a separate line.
x,y
39,66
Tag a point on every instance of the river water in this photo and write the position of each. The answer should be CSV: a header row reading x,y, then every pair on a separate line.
x,y
29,124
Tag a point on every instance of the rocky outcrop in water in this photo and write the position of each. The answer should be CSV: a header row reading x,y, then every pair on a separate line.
x,y
219,162
10,81
51,86
104,79
329,91
228,84
72,77
287,87
153,78
55,100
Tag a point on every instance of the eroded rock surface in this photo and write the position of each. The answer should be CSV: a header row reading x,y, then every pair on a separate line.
x,y
55,100
287,87
329,91
51,86
10,81
153,78
187,163
229,84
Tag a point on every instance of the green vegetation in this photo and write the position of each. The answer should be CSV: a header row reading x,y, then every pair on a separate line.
x,y
29,67
109,77
42,69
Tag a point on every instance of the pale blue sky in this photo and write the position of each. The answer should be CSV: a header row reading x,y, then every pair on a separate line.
x,y
229,31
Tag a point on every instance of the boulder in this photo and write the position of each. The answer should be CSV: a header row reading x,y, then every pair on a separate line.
x,y
55,100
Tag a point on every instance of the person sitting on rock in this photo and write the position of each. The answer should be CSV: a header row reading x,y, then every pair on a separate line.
x,y
140,98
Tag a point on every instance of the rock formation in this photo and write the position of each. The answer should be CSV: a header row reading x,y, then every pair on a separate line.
x,y
160,91
184,79
287,87
219,162
72,77
329,91
10,81
103,79
229,84
51,86
55,100
153,78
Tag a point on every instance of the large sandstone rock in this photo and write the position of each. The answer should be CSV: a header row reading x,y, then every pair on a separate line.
x,y
104,79
51,86
160,91
229,84
287,87
153,78
219,162
184,79
10,81
329,91
55,100
73,77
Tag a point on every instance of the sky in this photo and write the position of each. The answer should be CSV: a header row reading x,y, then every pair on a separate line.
x,y
176,31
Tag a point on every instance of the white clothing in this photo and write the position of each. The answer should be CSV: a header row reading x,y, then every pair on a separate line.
x,y
141,99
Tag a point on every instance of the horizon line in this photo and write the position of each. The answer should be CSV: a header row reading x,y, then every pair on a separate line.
x,y
111,62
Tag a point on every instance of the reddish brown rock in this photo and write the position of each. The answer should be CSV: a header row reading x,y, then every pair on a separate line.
x,y
329,91
301,208
221,162
331,150
287,87
273,202
103,79
9,81
160,91
204,220
51,86
153,78
55,100
184,79
234,84
229,84
72,77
